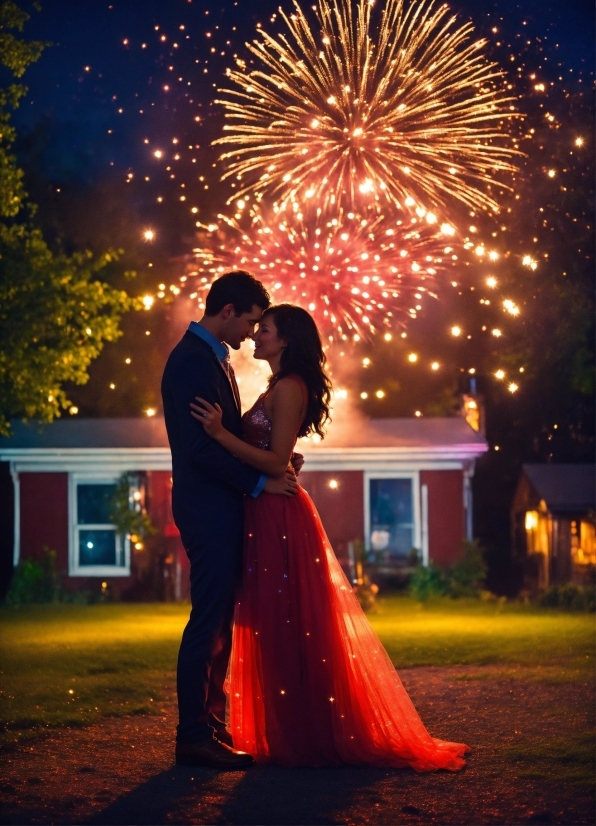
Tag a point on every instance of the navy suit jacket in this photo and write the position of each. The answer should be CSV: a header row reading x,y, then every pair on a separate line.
x,y
208,482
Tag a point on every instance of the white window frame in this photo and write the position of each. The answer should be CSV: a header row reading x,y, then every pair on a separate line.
x,y
74,569
414,477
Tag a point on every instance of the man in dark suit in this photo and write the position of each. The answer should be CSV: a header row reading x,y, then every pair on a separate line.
x,y
207,502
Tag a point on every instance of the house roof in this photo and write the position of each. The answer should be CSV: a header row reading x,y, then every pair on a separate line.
x,y
404,433
564,488
353,443
151,433
88,433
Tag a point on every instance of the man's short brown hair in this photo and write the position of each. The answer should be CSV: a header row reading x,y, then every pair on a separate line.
x,y
239,288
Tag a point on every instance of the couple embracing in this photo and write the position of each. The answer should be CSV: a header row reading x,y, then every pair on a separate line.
x,y
278,663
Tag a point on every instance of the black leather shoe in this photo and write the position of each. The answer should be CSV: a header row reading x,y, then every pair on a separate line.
x,y
221,732
211,753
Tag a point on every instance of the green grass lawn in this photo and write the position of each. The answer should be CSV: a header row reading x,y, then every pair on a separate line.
x,y
70,665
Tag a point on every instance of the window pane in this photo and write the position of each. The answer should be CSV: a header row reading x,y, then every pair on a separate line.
x,y
94,503
97,547
391,516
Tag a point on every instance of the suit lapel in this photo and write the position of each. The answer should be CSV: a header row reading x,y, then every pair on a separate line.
x,y
194,338
235,395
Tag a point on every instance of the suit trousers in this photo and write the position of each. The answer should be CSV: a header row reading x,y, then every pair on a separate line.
x,y
215,570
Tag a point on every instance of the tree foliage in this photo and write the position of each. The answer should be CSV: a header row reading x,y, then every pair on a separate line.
x,y
55,313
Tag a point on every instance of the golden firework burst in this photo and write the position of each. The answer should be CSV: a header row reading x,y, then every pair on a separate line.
x,y
360,109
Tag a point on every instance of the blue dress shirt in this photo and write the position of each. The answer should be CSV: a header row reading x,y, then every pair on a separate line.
x,y
221,351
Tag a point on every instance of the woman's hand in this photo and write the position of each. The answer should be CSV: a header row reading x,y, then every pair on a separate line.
x,y
209,416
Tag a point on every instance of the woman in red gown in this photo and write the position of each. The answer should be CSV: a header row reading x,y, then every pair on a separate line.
x,y
309,682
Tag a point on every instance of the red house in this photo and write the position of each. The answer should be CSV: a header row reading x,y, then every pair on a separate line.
x,y
391,484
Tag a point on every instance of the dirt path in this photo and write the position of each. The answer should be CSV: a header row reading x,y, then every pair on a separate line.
x,y
120,771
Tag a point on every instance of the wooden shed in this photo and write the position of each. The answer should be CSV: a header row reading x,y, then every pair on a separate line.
x,y
552,523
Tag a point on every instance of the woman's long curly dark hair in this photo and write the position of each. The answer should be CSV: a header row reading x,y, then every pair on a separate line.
x,y
303,355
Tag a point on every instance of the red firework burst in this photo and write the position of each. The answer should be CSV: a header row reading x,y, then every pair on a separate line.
x,y
355,275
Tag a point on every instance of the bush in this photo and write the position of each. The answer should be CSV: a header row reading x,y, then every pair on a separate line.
x,y
35,581
366,591
467,576
462,579
429,581
569,597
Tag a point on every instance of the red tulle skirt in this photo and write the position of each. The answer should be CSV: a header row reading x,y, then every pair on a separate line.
x,y
309,682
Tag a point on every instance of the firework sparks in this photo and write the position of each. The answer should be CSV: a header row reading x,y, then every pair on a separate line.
x,y
356,276
356,116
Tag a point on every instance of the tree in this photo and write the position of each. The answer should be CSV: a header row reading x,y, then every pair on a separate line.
x,y
55,313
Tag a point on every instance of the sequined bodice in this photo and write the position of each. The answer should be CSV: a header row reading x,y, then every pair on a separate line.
x,y
256,425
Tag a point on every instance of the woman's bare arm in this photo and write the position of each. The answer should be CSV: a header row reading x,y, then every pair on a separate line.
x,y
287,414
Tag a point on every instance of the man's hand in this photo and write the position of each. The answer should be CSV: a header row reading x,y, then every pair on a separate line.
x,y
297,460
285,485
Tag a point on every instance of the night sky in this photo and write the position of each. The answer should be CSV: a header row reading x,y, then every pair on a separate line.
x,y
124,80
100,89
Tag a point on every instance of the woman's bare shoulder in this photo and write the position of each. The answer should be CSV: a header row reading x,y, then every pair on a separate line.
x,y
291,386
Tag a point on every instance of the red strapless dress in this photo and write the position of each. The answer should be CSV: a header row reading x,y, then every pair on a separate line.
x,y
309,682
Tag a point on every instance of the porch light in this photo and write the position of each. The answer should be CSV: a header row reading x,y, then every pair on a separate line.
x,y
531,520
333,484
150,411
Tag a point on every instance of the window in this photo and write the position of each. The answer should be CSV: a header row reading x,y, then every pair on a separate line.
x,y
96,548
393,524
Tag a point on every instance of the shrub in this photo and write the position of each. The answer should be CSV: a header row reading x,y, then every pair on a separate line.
x,y
462,579
35,581
366,591
429,581
569,597
467,576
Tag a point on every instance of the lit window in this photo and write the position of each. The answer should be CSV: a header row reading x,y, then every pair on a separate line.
x,y
391,523
96,549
